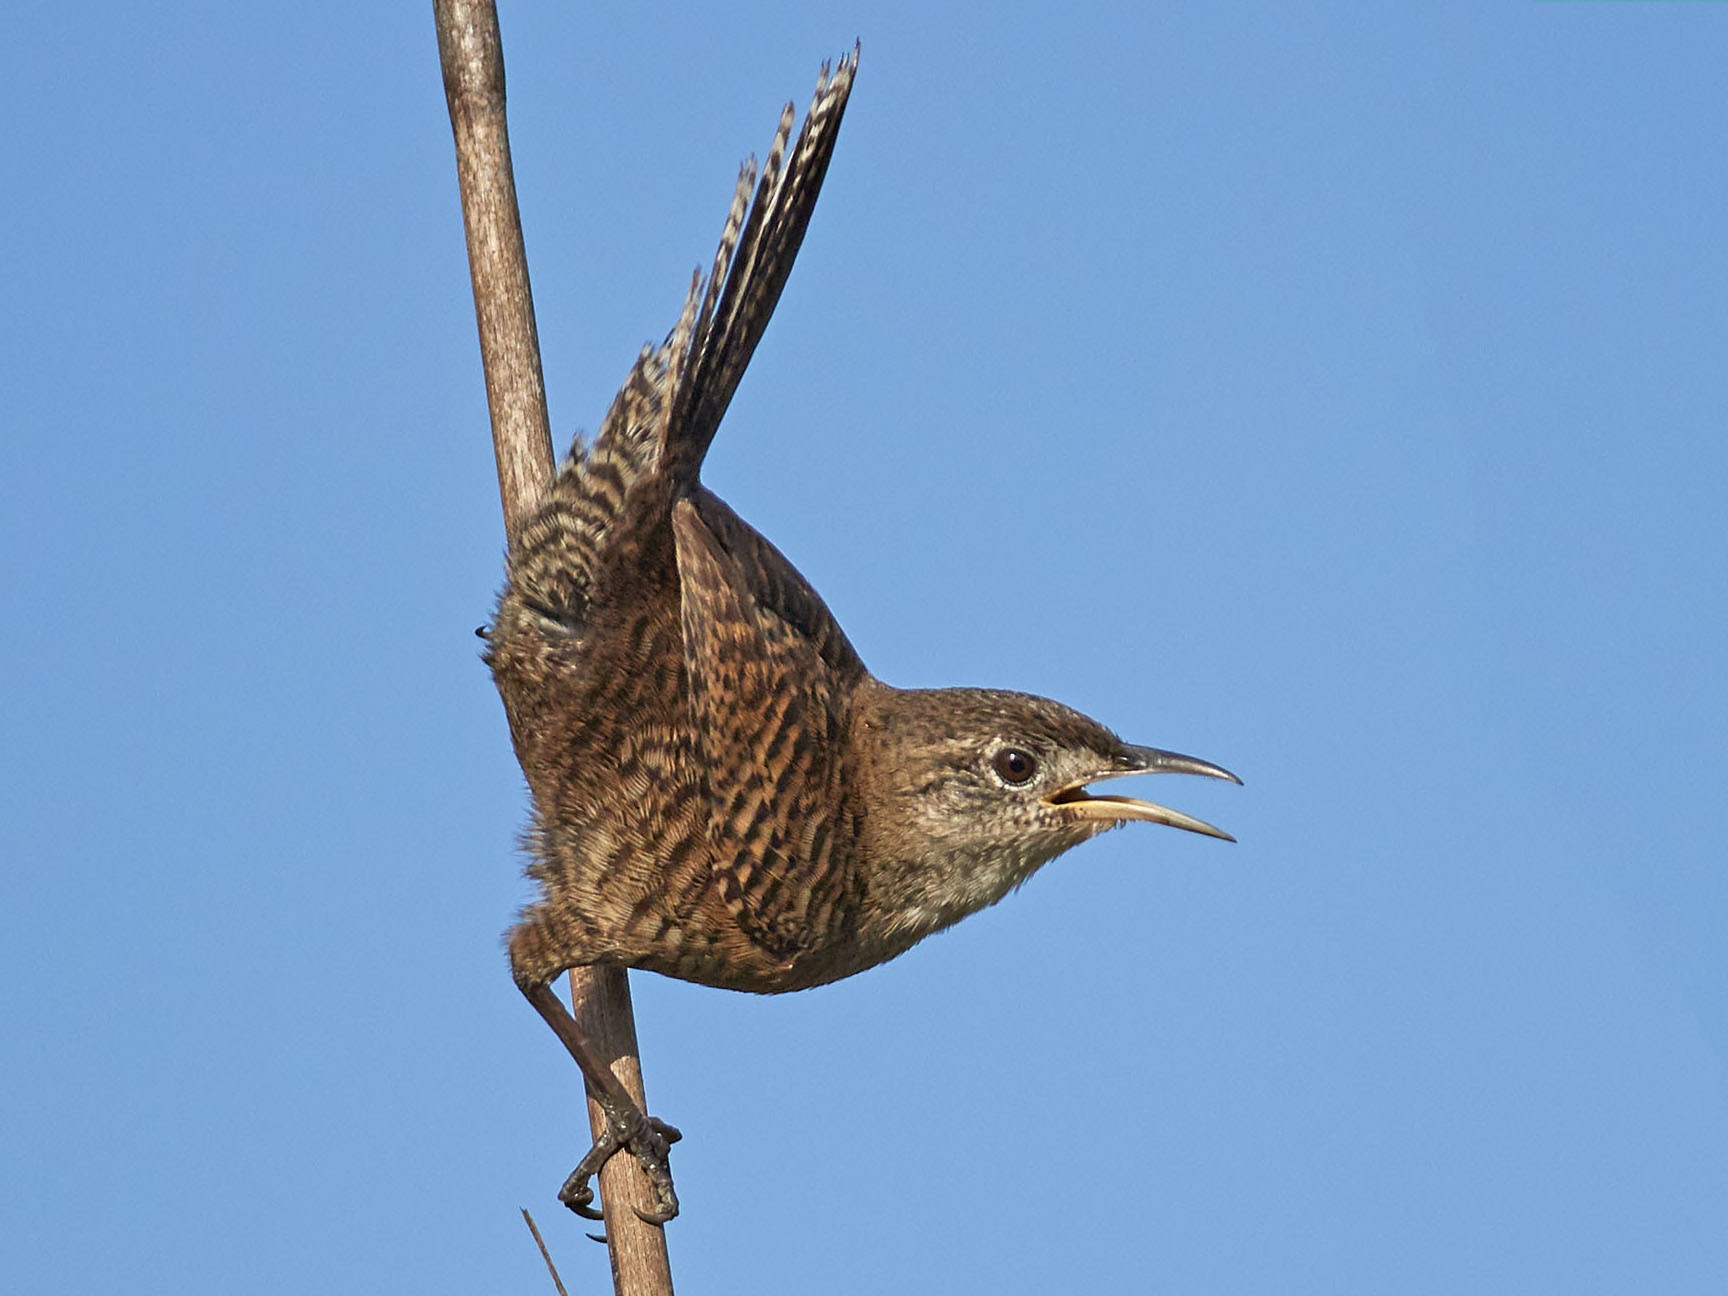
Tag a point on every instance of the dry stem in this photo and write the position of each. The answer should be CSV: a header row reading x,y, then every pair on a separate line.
x,y
471,53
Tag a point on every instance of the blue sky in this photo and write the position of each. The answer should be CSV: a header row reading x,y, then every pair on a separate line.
x,y
1336,392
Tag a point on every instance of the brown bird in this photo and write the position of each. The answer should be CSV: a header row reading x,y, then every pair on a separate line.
x,y
722,792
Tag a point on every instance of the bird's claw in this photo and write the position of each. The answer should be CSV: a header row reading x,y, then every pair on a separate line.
x,y
650,1141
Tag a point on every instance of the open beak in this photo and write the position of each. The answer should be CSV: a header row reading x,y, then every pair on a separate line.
x,y
1142,760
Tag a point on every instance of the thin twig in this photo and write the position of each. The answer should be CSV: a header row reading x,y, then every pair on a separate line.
x,y
471,54
544,1253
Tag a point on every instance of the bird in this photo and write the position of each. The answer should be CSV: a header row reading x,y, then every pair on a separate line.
x,y
721,791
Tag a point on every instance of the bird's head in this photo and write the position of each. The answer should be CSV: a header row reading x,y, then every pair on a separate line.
x,y
972,790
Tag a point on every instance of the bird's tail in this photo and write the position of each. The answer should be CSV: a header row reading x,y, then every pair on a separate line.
x,y
665,415
713,343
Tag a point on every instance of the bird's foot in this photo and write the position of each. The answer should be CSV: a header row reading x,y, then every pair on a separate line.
x,y
650,1141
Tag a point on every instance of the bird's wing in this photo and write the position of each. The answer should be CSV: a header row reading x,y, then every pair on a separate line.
x,y
768,715
777,587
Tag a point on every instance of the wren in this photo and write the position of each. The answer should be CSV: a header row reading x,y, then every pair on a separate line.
x,y
722,792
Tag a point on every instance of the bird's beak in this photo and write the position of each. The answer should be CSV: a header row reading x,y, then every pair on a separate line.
x,y
1141,760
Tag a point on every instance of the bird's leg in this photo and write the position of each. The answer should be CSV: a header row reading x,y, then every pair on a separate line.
x,y
627,1125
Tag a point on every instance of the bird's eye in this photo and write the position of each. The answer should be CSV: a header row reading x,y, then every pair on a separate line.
x,y
1015,765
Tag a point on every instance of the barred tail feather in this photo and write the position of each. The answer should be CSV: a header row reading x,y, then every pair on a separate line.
x,y
755,259
665,415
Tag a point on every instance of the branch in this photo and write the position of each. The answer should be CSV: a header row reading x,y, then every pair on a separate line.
x,y
471,53
544,1253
